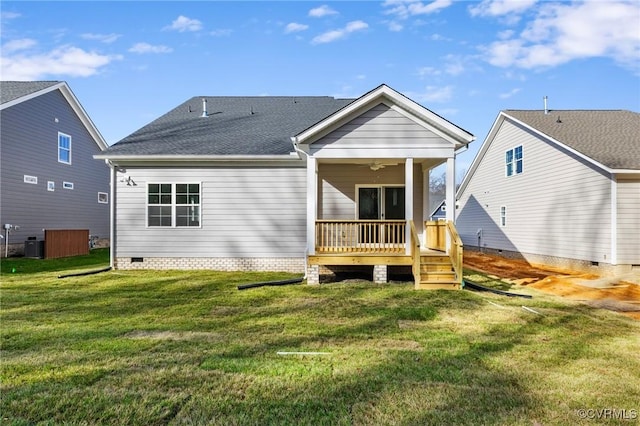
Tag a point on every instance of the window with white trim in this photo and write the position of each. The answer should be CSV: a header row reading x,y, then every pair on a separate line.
x,y
64,148
173,205
103,197
503,216
67,185
513,161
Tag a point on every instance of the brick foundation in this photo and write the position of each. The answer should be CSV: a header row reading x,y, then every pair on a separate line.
x,y
295,265
380,274
313,275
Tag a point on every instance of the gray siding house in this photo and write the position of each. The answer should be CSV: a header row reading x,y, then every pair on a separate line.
x,y
440,212
279,183
49,178
557,187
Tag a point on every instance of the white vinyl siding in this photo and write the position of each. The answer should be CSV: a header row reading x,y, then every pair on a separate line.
x,y
559,207
247,211
382,132
628,223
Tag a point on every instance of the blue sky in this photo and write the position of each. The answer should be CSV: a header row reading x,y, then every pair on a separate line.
x,y
130,62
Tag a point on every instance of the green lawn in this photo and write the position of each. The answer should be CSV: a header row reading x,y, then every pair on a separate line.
x,y
151,348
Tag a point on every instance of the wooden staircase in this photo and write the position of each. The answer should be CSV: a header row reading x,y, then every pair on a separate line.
x,y
436,272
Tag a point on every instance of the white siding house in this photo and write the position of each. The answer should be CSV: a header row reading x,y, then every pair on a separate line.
x,y
561,187
279,183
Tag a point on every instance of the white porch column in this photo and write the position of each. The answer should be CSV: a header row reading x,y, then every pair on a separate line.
x,y
451,189
312,203
426,210
408,200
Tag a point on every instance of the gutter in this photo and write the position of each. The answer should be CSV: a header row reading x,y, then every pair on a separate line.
x,y
195,158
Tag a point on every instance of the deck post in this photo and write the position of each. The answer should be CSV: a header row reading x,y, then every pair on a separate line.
x,y
408,202
380,274
426,210
312,203
313,274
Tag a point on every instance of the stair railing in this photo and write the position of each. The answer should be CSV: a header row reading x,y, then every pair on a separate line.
x,y
455,250
415,253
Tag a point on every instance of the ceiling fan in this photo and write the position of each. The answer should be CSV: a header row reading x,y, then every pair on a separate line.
x,y
377,165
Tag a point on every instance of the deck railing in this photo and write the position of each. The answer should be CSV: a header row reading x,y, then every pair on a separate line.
x,y
361,236
443,236
415,253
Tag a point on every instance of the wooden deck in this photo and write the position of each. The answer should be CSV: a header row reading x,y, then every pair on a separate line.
x,y
368,243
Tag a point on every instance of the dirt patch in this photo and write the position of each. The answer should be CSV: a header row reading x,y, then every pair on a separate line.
x,y
620,294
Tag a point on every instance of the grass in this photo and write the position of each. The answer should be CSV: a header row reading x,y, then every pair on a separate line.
x,y
19,265
486,280
167,347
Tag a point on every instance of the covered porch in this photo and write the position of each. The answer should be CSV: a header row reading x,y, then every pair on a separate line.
x,y
366,214
368,169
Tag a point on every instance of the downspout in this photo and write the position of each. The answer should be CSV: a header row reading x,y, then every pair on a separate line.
x,y
294,140
614,220
112,216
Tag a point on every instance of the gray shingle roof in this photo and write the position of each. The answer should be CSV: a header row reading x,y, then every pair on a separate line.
x,y
10,90
611,138
261,125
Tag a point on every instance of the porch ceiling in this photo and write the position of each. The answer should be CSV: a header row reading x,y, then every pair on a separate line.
x,y
426,163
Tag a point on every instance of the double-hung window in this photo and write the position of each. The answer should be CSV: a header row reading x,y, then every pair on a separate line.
x,y
173,205
187,204
64,148
513,161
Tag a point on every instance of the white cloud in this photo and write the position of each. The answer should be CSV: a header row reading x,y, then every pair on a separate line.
x,y
561,33
428,71
294,27
506,34
438,94
334,35
18,44
454,64
322,11
5,16
395,26
433,94
501,7
356,26
63,61
403,9
438,37
182,24
450,64
509,94
105,38
148,48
